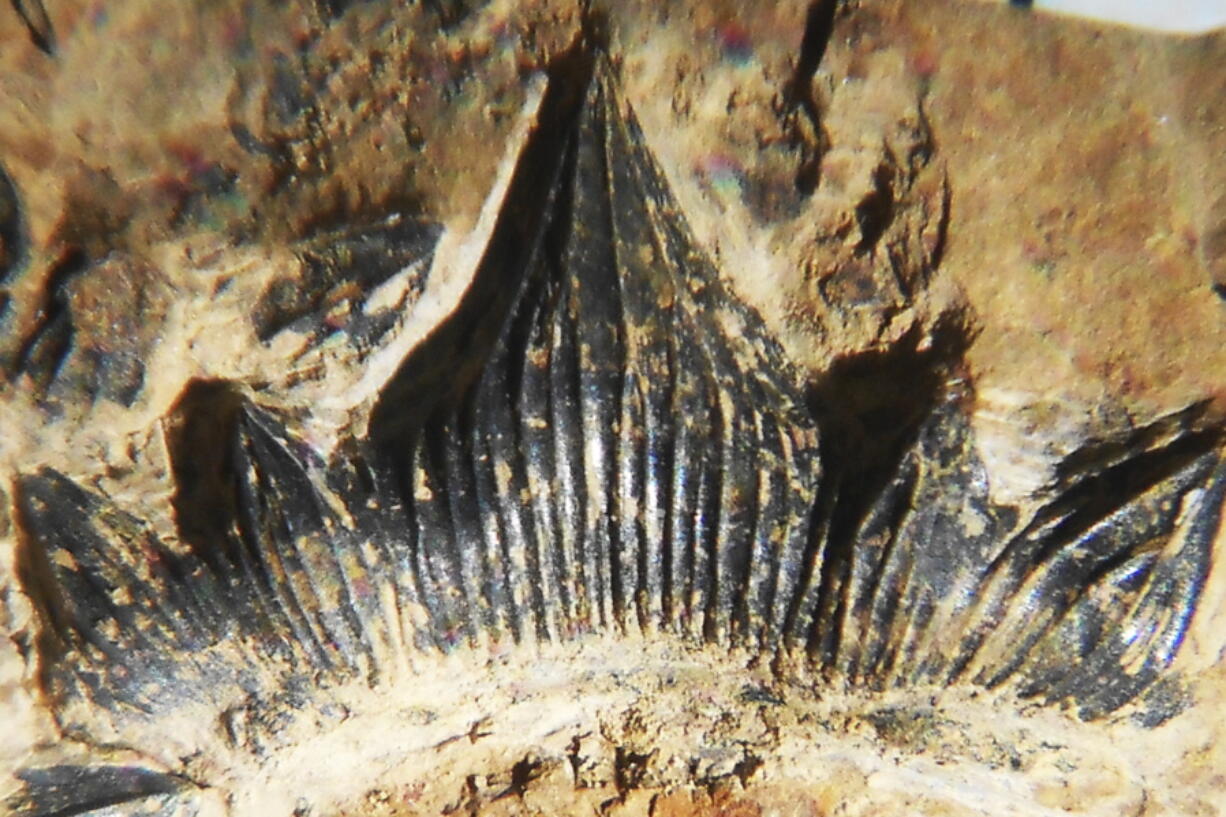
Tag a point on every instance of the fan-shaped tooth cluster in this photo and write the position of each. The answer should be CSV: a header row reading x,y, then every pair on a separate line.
x,y
615,446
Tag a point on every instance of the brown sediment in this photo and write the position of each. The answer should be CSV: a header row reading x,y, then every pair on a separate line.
x,y
1044,190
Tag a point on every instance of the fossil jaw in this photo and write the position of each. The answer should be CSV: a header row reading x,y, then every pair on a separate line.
x,y
601,466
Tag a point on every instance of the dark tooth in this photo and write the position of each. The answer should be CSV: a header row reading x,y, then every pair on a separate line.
x,y
330,264
1119,580
309,559
587,445
13,240
134,613
634,465
68,791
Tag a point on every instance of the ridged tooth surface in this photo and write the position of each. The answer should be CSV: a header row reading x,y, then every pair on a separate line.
x,y
606,442
620,459
71,790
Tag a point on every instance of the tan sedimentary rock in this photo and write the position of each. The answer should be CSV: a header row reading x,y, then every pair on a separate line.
x,y
1032,204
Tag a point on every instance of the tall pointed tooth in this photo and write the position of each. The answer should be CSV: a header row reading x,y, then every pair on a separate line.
x,y
639,459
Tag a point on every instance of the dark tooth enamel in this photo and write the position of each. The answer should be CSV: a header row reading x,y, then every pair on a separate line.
x,y
602,439
338,269
68,791
618,435
12,229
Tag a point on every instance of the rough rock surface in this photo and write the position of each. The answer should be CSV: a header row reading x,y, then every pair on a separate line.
x,y
206,204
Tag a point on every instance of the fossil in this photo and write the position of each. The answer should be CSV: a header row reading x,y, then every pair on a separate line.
x,y
601,450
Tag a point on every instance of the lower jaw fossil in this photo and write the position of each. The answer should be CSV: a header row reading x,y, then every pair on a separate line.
x,y
593,553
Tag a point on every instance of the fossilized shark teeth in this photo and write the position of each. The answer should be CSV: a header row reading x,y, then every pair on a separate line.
x,y
1086,599
628,454
602,440
78,790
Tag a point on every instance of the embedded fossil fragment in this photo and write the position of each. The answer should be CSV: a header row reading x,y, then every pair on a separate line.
x,y
601,449
11,239
101,320
336,271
